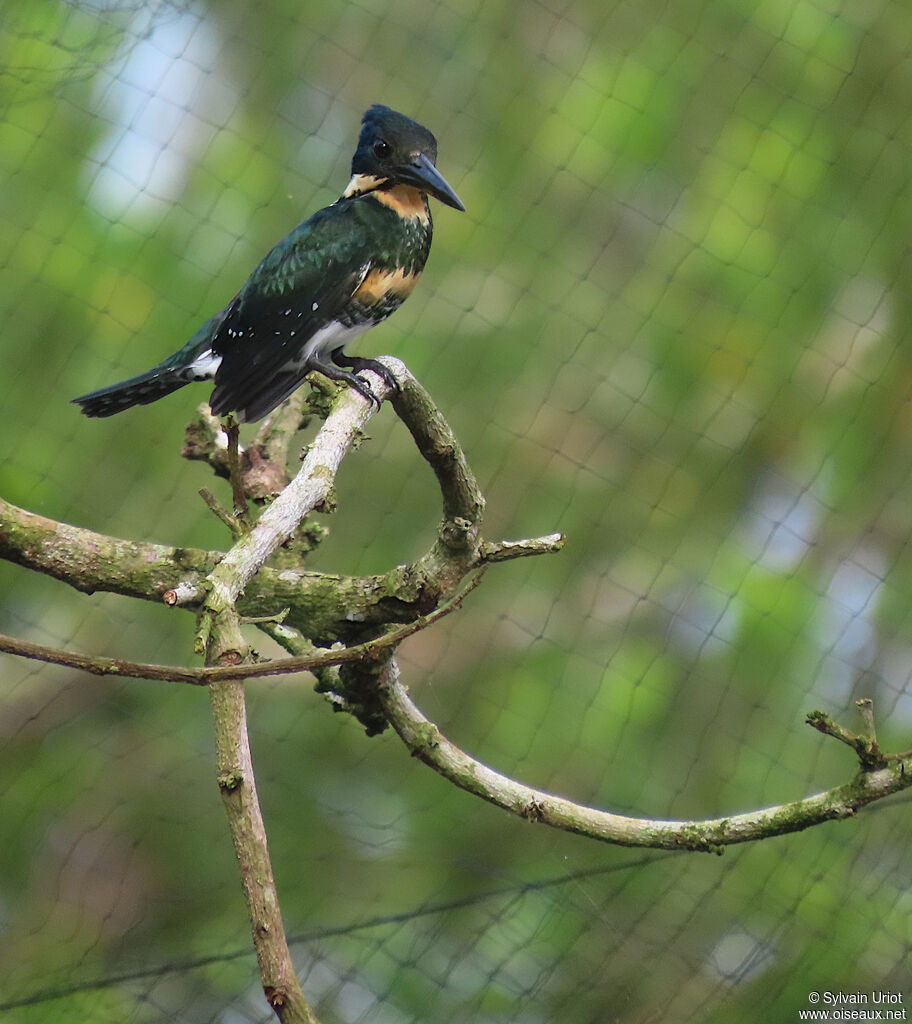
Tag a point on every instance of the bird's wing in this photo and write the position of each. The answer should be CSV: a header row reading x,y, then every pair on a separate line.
x,y
304,284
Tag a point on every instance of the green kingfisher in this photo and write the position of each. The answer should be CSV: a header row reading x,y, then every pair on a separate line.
x,y
343,270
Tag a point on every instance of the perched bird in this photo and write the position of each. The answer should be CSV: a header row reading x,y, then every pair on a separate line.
x,y
343,270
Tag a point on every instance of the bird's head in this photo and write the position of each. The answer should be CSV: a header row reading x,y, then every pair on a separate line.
x,y
400,151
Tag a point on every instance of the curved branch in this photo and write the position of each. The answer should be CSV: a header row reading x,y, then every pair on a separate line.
x,y
457,547
427,743
330,606
462,498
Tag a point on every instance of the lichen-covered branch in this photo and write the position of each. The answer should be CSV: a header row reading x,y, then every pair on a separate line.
x,y
326,608
462,498
372,615
865,744
224,669
219,634
309,489
263,464
506,550
90,561
237,785
428,744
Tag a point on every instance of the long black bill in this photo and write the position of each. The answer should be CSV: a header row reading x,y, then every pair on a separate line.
x,y
424,175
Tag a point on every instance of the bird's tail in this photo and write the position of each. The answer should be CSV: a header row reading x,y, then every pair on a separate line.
x,y
140,390
195,361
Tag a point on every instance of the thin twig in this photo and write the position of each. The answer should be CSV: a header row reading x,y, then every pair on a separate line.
x,y
869,754
100,666
866,711
279,428
223,515
241,510
824,723
508,549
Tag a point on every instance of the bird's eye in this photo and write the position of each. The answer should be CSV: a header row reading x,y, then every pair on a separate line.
x,y
382,149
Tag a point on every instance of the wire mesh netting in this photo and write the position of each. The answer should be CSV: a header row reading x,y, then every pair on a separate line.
x,y
673,324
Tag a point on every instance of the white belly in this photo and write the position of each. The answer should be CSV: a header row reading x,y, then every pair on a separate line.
x,y
334,335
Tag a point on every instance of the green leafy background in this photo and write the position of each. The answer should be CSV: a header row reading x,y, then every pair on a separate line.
x,y
674,324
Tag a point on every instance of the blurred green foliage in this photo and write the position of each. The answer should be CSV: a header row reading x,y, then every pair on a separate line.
x,y
673,324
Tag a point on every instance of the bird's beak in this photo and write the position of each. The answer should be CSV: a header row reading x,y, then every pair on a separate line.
x,y
424,175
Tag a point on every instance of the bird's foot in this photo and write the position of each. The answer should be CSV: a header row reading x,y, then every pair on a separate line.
x,y
362,387
347,377
358,365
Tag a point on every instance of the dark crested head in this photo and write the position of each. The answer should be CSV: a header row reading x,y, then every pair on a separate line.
x,y
388,137
398,149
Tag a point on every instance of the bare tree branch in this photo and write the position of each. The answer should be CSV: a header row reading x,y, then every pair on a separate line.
x,y
457,550
101,666
865,744
219,634
462,498
509,549
237,784
325,607
372,615
322,604
309,489
427,743
263,464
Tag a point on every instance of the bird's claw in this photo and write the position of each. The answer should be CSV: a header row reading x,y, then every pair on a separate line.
x,y
358,364
363,388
